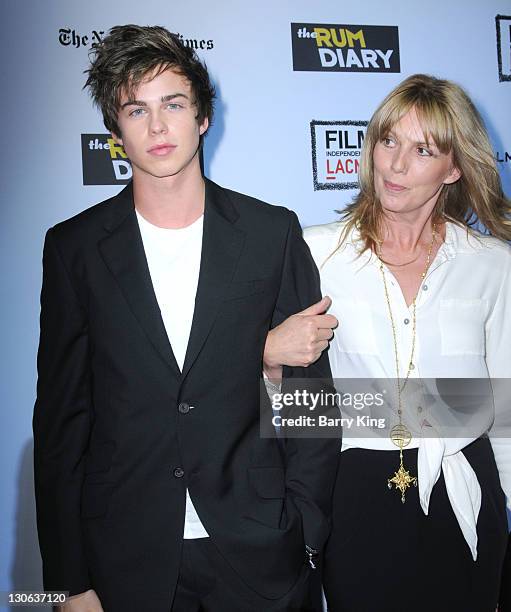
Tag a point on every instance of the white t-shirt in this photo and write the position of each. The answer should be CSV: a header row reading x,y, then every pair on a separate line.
x,y
173,257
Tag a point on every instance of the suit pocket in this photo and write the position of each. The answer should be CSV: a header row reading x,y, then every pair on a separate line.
x,y
237,290
270,487
97,488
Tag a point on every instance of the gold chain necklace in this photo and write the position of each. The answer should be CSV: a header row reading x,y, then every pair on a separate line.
x,y
401,265
400,434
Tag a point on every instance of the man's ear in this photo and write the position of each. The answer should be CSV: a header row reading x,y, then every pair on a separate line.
x,y
203,126
117,139
453,176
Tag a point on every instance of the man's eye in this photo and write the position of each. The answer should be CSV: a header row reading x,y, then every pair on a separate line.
x,y
137,112
174,106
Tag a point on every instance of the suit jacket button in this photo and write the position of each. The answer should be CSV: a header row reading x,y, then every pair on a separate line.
x,y
183,408
179,472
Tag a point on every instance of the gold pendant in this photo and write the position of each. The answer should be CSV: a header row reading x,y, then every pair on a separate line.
x,y
402,480
401,437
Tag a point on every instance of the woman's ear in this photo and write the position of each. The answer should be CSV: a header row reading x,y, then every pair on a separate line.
x,y
453,176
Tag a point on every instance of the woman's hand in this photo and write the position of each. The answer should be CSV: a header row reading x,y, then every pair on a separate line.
x,y
300,339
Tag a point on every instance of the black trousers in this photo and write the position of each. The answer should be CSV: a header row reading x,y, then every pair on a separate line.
x,y
207,583
386,556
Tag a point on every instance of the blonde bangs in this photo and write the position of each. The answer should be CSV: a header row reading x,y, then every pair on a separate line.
x,y
448,119
434,118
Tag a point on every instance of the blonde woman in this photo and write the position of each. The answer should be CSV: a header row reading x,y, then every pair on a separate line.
x,y
419,522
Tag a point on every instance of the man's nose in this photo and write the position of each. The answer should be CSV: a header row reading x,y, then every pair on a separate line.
x,y
157,125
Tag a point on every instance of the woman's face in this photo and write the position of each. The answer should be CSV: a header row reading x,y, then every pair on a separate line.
x,y
409,173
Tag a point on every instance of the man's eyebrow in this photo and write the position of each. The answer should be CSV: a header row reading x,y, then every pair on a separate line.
x,y
133,103
173,96
166,98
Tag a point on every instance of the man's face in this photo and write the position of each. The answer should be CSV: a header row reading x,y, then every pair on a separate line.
x,y
159,131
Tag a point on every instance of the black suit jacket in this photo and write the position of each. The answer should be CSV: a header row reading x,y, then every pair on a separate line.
x,y
115,443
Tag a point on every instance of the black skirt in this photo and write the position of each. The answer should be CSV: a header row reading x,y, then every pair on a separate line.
x,y
386,556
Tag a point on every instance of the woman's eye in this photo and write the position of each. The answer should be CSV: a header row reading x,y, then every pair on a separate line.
x,y
423,152
388,142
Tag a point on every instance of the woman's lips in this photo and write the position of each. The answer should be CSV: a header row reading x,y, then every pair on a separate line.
x,y
161,150
394,187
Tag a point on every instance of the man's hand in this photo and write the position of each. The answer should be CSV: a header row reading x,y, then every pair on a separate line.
x,y
300,339
83,602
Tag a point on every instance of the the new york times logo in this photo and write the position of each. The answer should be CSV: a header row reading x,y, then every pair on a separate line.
x,y
336,147
104,162
503,24
72,38
345,48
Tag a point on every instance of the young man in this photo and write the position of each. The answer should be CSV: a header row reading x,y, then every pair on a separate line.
x,y
154,489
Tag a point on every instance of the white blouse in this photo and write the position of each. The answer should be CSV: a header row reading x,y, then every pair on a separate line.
x,y
462,332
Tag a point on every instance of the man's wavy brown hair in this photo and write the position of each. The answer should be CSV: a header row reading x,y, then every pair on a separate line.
x,y
131,53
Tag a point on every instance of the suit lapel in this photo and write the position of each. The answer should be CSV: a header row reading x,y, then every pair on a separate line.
x,y
123,253
222,244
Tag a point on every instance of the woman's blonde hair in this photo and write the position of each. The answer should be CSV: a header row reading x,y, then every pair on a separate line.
x,y
449,119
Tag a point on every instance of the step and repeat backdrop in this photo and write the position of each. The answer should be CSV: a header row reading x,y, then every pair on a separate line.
x,y
297,82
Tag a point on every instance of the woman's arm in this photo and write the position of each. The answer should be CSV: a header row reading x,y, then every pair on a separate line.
x,y
498,361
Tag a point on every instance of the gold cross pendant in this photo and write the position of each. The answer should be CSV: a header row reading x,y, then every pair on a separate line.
x,y
402,480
